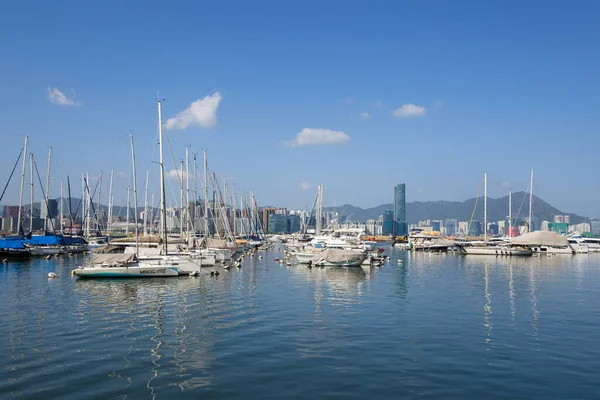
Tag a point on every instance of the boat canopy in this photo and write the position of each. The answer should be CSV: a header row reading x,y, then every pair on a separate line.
x,y
119,258
338,255
50,240
217,243
541,238
11,244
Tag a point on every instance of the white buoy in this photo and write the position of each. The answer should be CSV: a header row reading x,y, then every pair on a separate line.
x,y
195,273
51,275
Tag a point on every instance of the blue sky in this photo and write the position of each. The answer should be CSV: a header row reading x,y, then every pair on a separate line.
x,y
430,93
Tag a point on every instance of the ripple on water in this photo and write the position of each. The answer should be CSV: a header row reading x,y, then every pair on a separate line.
x,y
435,326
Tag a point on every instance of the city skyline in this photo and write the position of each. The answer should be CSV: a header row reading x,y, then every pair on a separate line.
x,y
282,108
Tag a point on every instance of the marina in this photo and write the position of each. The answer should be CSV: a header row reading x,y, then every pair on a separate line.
x,y
435,325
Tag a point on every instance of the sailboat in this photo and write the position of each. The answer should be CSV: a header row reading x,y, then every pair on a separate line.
x,y
129,265
498,247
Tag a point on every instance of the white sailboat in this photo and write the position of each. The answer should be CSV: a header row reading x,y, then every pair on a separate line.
x,y
492,248
129,265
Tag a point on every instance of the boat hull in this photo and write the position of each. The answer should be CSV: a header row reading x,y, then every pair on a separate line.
x,y
497,251
138,271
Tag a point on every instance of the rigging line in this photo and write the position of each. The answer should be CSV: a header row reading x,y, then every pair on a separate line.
x,y
11,175
87,186
474,208
179,176
44,196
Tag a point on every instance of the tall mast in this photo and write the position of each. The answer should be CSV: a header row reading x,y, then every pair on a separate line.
x,y
206,225
88,209
485,206
135,204
194,226
319,220
99,213
31,201
163,200
128,203
61,207
110,202
181,200
146,205
152,213
47,217
83,200
530,200
22,184
187,189
510,213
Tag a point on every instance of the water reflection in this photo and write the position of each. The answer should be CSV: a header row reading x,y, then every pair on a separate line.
x,y
168,334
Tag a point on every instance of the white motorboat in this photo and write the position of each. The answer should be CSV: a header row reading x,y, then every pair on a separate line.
x,y
126,266
339,258
496,250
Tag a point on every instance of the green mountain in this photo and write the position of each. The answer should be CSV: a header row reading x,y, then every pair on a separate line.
x,y
497,209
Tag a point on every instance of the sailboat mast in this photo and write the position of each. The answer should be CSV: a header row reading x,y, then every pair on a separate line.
x,y
31,201
22,184
163,200
127,220
206,225
510,213
99,212
110,201
194,226
135,204
181,199
485,206
146,205
187,189
88,209
61,207
47,189
530,200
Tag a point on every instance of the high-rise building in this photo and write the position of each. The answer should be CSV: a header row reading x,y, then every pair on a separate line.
x,y
400,210
388,222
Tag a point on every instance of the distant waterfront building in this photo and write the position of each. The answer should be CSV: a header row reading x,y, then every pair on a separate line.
x,y
400,228
475,228
595,227
11,211
559,227
387,225
451,226
492,229
581,228
545,225
436,226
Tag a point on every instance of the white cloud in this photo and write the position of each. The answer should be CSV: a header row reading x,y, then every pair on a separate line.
x,y
409,110
174,174
202,113
365,115
305,186
317,137
57,97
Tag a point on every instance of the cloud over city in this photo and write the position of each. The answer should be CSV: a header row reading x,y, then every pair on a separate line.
x,y
201,113
318,137
59,98
409,110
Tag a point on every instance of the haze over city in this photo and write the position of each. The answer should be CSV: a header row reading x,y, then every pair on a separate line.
x,y
357,96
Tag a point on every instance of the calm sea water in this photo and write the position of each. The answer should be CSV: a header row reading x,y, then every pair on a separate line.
x,y
436,326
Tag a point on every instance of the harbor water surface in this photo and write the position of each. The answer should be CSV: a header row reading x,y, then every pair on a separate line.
x,y
432,326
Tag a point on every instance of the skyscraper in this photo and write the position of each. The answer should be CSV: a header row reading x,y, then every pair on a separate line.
x,y
400,210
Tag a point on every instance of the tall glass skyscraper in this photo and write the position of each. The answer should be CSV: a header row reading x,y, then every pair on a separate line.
x,y
400,210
